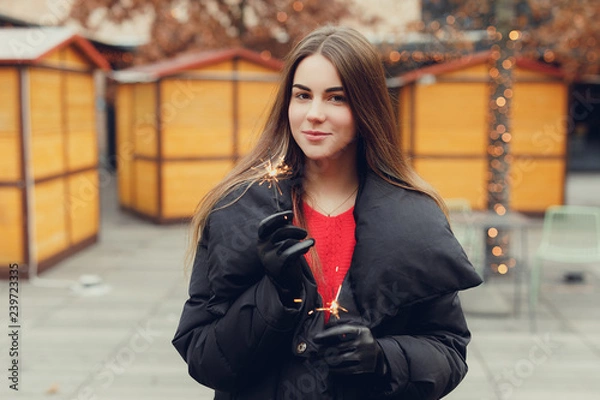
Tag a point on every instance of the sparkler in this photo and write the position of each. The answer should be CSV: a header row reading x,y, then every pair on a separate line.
x,y
334,307
272,175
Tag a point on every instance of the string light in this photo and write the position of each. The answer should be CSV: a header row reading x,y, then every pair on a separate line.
x,y
502,63
418,56
394,56
298,6
282,16
265,55
500,209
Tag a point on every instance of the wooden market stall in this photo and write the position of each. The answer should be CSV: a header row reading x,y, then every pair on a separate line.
x,y
49,203
443,113
182,123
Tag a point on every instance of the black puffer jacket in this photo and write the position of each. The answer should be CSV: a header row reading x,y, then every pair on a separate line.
x,y
407,267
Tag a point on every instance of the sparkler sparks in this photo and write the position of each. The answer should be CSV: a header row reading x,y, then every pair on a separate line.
x,y
272,175
334,307
274,172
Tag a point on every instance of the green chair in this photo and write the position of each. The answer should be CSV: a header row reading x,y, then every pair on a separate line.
x,y
571,234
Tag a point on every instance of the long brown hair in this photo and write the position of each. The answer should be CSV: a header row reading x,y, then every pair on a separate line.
x,y
363,80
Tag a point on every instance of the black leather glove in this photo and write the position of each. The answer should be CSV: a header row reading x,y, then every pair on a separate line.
x,y
280,248
351,350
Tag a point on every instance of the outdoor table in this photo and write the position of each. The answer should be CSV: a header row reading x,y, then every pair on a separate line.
x,y
512,221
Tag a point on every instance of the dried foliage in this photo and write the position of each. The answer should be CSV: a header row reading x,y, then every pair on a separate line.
x,y
182,25
564,32
570,37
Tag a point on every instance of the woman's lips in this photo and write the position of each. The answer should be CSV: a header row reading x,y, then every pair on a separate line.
x,y
315,136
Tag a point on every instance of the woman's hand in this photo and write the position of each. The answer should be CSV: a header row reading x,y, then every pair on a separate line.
x,y
351,349
280,248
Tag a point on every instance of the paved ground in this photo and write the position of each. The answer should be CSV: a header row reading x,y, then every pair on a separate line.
x,y
116,345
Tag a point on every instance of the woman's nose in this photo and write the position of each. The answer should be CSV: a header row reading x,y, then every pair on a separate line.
x,y
315,112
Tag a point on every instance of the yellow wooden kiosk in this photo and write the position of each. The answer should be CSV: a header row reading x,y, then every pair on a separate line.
x,y
49,203
443,113
183,122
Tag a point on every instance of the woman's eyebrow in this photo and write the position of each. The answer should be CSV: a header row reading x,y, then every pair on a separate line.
x,y
328,90
334,89
302,87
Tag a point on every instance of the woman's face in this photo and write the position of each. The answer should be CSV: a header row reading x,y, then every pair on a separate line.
x,y
320,118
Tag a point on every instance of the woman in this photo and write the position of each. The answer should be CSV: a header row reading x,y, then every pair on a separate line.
x,y
367,308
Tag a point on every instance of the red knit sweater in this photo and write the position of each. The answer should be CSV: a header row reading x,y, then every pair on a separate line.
x,y
334,244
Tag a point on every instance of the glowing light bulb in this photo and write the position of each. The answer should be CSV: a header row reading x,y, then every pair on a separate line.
x,y
502,269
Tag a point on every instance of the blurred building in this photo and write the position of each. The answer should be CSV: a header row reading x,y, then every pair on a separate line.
x,y
182,123
49,191
583,108
443,112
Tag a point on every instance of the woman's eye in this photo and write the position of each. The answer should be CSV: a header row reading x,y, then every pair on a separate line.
x,y
338,98
302,96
